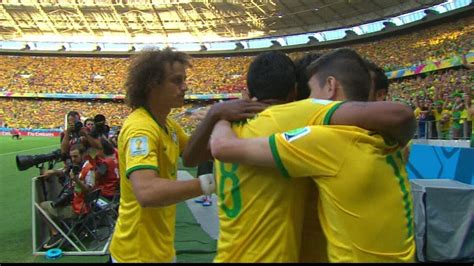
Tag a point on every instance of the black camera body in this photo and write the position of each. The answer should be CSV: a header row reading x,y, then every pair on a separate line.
x,y
100,127
76,169
67,193
64,198
77,128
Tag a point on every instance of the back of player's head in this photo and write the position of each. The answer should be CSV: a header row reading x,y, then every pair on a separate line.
x,y
301,78
378,76
348,68
271,75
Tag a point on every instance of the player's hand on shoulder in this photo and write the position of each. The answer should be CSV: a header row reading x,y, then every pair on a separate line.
x,y
235,110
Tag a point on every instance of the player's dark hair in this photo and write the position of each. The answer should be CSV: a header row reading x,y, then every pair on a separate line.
x,y
348,68
301,78
378,76
271,75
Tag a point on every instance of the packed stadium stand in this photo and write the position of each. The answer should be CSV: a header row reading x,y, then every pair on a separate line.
x,y
224,74
221,74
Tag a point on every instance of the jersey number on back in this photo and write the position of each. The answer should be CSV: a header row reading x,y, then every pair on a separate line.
x,y
230,177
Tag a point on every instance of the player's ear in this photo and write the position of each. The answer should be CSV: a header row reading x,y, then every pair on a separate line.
x,y
331,87
245,94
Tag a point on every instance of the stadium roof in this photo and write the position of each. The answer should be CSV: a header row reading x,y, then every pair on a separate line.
x,y
129,21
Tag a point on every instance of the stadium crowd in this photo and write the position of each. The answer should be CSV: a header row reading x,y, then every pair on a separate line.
x,y
34,113
430,44
21,74
221,74
441,102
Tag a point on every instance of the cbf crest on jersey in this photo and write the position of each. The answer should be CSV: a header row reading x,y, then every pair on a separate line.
x,y
296,134
139,146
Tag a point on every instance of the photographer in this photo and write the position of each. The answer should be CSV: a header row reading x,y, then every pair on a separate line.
x,y
89,124
106,171
101,129
76,133
67,136
15,133
70,202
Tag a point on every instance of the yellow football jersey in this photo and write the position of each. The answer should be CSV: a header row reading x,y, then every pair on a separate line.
x,y
261,212
365,205
146,234
313,242
417,112
445,126
437,115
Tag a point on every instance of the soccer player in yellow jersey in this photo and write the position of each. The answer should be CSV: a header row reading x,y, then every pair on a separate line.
x,y
261,212
149,146
379,91
352,234
365,207
261,221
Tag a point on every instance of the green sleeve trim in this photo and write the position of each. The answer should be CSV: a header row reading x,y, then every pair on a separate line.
x,y
327,118
139,167
276,157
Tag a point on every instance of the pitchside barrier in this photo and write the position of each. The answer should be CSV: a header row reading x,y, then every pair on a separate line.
x,y
43,189
434,161
442,179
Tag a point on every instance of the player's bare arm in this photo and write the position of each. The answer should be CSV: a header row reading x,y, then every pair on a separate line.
x,y
227,147
154,191
197,149
389,119
394,121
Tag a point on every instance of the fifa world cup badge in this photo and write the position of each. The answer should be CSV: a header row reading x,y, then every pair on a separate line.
x,y
139,146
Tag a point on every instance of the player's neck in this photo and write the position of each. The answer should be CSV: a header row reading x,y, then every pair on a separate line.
x,y
159,115
274,101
